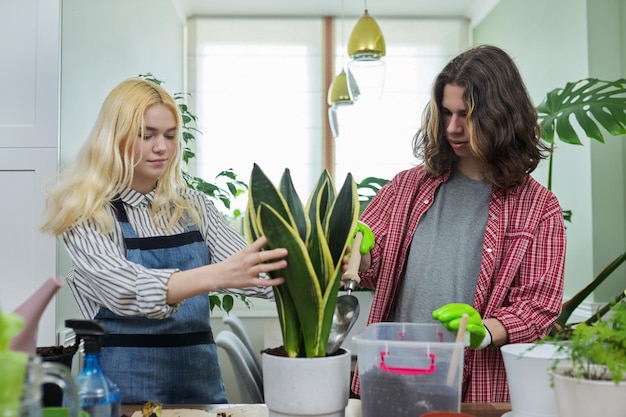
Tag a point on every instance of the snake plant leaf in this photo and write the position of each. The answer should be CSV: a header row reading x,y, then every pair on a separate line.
x,y
342,218
320,253
300,278
321,191
318,246
294,203
591,102
261,190
288,320
340,225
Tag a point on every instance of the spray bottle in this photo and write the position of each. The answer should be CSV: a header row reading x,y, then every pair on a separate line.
x,y
99,396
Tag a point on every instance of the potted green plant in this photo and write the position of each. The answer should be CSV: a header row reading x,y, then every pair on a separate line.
x,y
316,236
592,380
593,104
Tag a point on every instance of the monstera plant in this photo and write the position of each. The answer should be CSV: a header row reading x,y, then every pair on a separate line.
x,y
594,104
316,236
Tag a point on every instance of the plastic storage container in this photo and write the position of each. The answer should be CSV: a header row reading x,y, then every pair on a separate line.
x,y
407,370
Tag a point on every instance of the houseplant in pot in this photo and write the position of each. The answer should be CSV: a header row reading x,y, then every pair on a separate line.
x,y
316,236
592,380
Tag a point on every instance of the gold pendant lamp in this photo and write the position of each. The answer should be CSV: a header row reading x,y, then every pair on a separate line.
x,y
366,41
339,93
366,47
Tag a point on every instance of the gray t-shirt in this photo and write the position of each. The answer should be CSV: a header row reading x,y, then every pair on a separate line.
x,y
446,251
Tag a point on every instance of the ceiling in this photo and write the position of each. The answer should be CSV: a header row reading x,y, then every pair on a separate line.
x,y
474,10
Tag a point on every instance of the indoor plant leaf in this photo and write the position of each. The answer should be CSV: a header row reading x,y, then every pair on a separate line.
x,y
586,99
300,277
288,191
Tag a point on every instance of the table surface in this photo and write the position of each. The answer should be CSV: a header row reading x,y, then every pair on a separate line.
x,y
476,409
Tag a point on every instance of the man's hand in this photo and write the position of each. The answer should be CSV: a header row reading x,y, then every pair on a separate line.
x,y
450,316
367,243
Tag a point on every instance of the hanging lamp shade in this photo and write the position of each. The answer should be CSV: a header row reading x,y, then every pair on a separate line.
x,y
366,40
339,91
366,47
339,96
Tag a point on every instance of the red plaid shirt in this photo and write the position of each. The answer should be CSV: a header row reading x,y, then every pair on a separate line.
x,y
520,282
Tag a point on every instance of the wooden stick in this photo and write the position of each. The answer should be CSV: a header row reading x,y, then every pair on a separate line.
x,y
460,337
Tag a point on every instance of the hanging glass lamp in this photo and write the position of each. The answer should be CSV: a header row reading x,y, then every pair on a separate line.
x,y
366,47
340,96
339,91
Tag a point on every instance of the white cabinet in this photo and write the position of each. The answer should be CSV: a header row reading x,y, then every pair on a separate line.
x,y
28,258
29,137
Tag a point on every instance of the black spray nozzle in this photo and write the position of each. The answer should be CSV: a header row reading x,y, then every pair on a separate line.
x,y
91,331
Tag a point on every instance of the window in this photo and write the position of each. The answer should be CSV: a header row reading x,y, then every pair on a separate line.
x,y
257,85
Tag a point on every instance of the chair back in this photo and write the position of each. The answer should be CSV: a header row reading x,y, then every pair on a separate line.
x,y
248,375
237,327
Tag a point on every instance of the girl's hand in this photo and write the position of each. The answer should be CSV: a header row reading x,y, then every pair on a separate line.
x,y
250,267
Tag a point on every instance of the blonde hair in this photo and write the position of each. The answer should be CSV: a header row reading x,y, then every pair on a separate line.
x,y
105,165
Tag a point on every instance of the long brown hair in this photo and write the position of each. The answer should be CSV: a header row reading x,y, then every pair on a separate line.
x,y
502,121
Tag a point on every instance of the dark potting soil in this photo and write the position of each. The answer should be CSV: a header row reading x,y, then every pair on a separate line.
x,y
280,351
52,352
385,394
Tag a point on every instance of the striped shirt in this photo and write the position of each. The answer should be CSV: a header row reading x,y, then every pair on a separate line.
x,y
520,281
102,276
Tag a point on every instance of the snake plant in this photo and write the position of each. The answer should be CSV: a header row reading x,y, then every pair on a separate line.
x,y
316,237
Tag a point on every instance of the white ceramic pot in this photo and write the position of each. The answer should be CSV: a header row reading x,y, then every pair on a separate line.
x,y
584,398
307,386
527,372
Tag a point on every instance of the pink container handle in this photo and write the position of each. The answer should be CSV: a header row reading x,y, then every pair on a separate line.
x,y
400,370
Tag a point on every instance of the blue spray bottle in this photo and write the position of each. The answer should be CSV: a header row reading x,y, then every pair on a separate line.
x,y
98,395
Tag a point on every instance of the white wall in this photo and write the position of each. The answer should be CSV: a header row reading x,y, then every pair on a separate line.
x,y
103,43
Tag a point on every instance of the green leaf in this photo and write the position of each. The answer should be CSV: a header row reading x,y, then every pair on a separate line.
x,y
288,319
227,302
294,203
261,190
338,230
592,102
300,277
324,191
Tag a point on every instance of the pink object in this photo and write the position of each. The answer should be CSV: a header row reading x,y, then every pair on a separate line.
x,y
31,311
404,370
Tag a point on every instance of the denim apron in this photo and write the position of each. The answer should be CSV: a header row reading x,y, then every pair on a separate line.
x,y
172,360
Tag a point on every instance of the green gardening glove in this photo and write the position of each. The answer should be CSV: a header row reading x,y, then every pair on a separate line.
x,y
368,237
450,316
